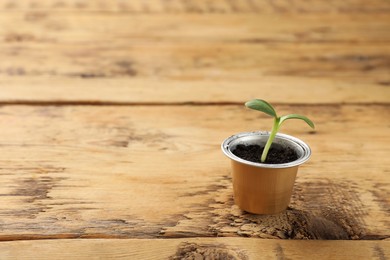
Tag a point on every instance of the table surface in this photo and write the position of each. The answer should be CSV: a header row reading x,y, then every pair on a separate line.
x,y
113,112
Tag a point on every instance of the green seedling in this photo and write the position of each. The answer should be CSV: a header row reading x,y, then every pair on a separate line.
x,y
265,107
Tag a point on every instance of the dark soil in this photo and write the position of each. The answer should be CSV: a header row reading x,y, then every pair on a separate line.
x,y
275,155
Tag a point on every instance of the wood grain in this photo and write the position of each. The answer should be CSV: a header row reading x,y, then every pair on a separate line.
x,y
197,248
90,57
112,115
147,91
155,172
199,6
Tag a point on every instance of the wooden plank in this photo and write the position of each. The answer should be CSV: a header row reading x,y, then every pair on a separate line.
x,y
148,172
199,6
95,29
193,58
204,248
282,90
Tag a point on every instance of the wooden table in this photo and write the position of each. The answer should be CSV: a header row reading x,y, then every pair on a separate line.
x,y
112,114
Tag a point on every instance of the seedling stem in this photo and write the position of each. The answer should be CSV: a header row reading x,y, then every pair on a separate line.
x,y
265,107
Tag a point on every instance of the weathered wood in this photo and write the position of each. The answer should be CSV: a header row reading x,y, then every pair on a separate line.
x,y
84,57
281,90
152,168
200,6
96,29
148,172
214,248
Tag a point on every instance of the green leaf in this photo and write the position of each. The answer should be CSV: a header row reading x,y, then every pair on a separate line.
x,y
261,105
296,116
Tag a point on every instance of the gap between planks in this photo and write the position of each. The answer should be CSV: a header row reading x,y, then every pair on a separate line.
x,y
186,103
